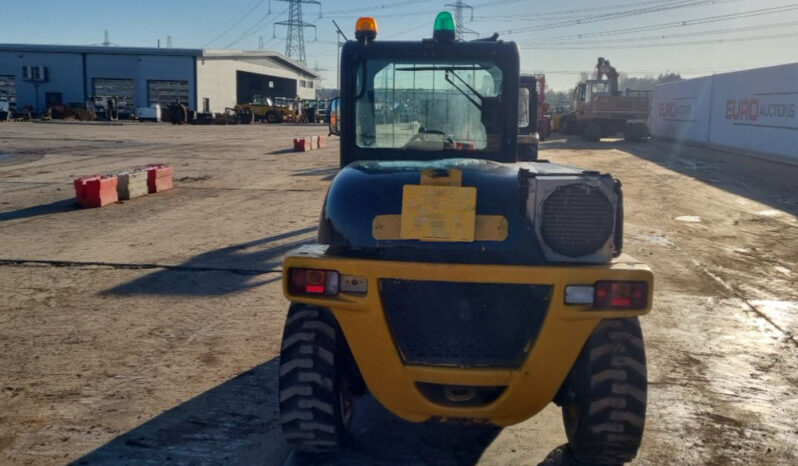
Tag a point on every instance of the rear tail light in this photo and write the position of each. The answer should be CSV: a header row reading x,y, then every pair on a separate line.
x,y
314,281
620,295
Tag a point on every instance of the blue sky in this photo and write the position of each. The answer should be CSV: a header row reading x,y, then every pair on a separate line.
x,y
641,37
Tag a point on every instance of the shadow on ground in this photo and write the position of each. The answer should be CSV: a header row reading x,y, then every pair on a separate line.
x,y
327,174
380,438
233,269
233,423
769,182
237,422
65,205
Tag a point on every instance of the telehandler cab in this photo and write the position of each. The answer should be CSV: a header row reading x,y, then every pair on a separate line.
x,y
449,281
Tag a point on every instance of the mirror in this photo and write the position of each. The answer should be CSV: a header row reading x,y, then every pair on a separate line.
x,y
335,116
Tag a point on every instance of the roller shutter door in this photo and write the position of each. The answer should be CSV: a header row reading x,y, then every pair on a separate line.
x,y
123,89
167,92
8,90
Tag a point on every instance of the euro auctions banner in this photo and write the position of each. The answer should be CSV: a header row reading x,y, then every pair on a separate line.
x,y
754,110
681,110
757,110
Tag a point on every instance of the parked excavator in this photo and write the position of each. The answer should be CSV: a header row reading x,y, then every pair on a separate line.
x,y
601,110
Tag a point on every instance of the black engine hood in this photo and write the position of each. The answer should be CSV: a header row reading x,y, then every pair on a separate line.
x,y
363,190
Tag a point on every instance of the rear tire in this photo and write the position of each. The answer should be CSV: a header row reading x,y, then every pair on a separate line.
x,y
528,152
635,132
604,397
245,116
567,126
315,389
591,132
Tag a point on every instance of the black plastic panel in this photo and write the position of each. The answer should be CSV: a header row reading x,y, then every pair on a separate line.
x,y
464,324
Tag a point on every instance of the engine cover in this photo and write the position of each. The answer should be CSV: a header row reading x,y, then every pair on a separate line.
x,y
554,213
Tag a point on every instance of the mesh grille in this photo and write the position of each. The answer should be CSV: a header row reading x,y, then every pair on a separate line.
x,y
463,324
577,220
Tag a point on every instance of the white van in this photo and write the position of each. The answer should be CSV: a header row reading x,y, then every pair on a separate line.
x,y
151,113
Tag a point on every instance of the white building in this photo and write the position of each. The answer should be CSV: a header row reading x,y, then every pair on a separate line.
x,y
205,80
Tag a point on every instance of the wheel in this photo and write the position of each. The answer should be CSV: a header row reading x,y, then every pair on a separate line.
x,y
565,126
245,116
591,132
315,384
603,399
528,152
273,117
635,132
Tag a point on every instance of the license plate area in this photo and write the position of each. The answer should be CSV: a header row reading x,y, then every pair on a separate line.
x,y
439,213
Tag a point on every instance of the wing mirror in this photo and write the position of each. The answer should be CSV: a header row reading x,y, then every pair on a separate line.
x,y
335,116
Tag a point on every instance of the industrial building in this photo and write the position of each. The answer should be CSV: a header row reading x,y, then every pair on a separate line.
x,y
206,80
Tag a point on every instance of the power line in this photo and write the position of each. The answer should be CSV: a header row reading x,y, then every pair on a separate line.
x,y
235,23
580,12
673,24
234,18
676,36
384,6
405,31
620,14
251,30
669,44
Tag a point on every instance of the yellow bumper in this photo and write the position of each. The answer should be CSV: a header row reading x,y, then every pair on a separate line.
x,y
530,387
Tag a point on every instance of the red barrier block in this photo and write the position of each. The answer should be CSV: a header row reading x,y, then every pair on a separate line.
x,y
322,142
302,144
96,190
159,178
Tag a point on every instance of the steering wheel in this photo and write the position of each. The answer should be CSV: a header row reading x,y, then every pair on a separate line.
x,y
421,136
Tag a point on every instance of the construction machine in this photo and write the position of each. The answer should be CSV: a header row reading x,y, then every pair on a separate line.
x,y
528,115
534,125
450,281
263,108
105,107
601,110
5,109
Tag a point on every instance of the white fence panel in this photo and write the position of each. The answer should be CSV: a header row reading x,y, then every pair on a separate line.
x,y
757,110
681,110
753,110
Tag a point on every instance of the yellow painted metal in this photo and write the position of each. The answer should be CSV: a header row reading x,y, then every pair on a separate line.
x,y
529,388
439,213
488,227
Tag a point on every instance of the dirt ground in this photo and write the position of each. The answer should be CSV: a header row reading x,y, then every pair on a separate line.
x,y
148,331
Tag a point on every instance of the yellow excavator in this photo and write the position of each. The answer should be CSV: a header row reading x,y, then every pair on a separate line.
x,y
600,109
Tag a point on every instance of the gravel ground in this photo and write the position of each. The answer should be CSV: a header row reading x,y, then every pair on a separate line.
x,y
148,331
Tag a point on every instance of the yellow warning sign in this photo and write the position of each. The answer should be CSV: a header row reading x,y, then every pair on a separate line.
x,y
439,213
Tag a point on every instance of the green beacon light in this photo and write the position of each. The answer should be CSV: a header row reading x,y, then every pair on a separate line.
x,y
444,27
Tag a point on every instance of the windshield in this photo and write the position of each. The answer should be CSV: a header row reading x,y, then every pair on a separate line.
x,y
428,105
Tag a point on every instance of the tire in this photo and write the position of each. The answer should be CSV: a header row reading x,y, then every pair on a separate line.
x,y
635,132
603,399
315,385
565,126
245,116
591,132
528,152
273,117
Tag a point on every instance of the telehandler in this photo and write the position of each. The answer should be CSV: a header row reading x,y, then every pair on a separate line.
x,y
449,281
